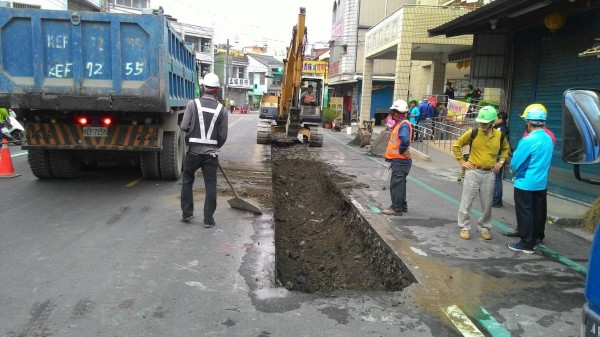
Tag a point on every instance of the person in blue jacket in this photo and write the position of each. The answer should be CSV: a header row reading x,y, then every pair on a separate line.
x,y
427,114
414,113
530,164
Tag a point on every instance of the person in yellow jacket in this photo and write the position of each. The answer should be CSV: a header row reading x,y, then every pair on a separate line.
x,y
488,152
398,155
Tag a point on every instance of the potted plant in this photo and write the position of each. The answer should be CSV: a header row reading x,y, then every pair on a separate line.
x,y
329,115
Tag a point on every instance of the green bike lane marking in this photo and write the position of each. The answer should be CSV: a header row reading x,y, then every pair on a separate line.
x,y
479,313
550,252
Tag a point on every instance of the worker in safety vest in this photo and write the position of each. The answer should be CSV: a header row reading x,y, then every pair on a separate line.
x,y
205,122
398,155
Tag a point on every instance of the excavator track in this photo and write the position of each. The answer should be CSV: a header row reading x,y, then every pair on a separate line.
x,y
263,134
316,137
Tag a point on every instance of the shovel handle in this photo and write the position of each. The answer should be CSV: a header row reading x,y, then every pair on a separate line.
x,y
227,179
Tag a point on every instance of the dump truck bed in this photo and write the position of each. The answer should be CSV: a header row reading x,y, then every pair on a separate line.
x,y
61,60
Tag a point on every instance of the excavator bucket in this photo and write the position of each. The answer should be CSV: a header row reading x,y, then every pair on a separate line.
x,y
363,136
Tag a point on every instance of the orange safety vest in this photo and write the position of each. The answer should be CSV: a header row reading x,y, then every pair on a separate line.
x,y
393,147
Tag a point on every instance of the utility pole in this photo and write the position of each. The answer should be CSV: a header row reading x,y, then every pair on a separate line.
x,y
226,87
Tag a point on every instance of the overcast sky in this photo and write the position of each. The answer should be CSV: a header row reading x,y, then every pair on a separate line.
x,y
253,21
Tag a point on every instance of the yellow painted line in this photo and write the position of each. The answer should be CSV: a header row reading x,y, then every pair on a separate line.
x,y
134,182
462,322
237,121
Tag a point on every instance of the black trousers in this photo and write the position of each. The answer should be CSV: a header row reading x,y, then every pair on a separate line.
x,y
531,209
209,166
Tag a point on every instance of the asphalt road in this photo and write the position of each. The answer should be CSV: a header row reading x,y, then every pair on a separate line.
x,y
105,255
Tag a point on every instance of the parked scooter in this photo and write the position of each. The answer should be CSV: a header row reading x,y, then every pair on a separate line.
x,y
12,129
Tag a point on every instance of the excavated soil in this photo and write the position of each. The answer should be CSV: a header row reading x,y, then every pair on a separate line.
x,y
322,243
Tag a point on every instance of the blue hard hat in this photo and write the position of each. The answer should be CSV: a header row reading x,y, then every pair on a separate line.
x,y
536,116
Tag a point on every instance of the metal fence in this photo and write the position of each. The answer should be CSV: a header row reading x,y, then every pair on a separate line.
x,y
442,132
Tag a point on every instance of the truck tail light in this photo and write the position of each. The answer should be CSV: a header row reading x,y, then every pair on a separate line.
x,y
82,120
107,121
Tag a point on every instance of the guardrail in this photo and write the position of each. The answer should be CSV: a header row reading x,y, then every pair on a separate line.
x,y
441,132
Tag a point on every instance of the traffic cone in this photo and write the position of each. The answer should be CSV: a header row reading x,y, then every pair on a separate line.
x,y
248,111
6,166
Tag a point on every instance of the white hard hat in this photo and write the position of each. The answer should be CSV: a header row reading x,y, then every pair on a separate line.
x,y
211,80
399,105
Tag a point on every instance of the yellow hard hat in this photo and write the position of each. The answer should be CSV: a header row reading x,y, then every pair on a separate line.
x,y
534,106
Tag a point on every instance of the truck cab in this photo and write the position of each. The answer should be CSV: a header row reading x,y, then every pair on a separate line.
x,y
581,146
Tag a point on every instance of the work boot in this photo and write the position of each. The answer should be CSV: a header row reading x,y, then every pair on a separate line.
x,y
465,234
209,225
391,211
514,234
485,234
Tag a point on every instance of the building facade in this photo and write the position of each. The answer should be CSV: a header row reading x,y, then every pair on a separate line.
x,y
532,53
358,25
232,68
265,73
201,40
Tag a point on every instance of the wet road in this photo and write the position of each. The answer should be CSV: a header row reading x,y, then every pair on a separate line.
x,y
105,255
503,293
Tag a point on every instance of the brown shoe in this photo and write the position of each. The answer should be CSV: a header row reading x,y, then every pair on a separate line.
x,y
465,234
391,211
485,234
514,234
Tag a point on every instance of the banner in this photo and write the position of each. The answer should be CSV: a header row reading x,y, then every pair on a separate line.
x,y
314,67
337,103
457,108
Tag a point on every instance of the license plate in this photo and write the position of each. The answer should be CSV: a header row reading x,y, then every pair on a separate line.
x,y
592,327
95,131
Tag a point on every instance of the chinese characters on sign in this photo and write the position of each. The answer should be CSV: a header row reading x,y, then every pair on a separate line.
x,y
314,67
239,82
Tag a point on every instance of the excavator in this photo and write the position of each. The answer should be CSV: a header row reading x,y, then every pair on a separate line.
x,y
293,116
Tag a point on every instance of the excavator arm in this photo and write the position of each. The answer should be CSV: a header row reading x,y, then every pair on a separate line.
x,y
292,65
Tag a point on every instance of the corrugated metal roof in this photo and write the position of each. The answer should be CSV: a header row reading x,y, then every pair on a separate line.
x,y
267,60
510,15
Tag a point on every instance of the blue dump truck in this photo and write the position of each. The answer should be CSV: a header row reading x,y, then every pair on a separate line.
x,y
96,88
591,310
581,146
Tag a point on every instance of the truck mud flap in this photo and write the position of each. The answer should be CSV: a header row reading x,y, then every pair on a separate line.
x,y
71,137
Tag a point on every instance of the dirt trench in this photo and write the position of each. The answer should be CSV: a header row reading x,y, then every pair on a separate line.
x,y
323,245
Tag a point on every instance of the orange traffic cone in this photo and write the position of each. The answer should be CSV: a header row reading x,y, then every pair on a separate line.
x,y
248,111
6,166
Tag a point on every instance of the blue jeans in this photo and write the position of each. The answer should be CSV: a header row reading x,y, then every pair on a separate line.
x,y
398,187
209,166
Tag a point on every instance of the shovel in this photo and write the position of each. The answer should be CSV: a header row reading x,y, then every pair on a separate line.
x,y
238,202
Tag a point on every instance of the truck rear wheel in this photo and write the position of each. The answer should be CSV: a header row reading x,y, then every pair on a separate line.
x,y
64,164
40,164
172,155
149,165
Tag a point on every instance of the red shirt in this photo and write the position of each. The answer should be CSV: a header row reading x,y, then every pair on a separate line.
x,y
550,133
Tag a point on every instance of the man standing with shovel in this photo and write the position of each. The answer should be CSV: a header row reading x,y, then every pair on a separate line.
x,y
205,121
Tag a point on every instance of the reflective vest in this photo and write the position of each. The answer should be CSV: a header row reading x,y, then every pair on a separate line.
x,y
205,136
393,148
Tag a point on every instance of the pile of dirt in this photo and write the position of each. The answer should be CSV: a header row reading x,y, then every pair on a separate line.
x,y
322,244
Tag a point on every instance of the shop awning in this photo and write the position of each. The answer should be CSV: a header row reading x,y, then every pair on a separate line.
x,y
500,16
